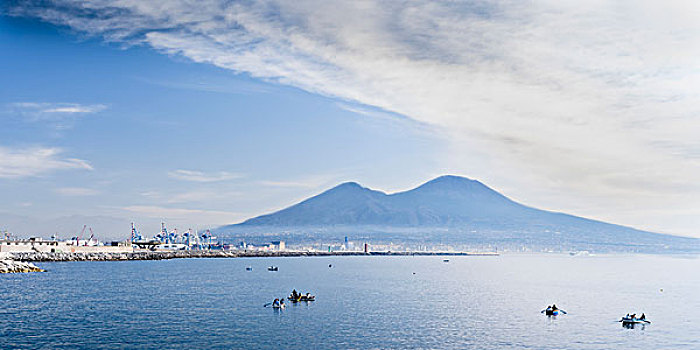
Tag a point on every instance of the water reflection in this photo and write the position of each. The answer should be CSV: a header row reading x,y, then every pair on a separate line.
x,y
630,325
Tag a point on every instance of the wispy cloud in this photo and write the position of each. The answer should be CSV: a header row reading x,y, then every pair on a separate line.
x,y
192,216
199,176
76,191
59,116
58,108
225,87
197,196
298,184
35,161
313,181
567,93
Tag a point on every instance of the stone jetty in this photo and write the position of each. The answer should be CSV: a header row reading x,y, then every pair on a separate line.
x,y
13,266
160,255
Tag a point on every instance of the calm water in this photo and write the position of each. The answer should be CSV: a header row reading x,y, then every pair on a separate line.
x,y
362,302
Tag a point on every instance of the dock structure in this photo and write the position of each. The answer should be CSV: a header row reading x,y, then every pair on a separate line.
x,y
38,245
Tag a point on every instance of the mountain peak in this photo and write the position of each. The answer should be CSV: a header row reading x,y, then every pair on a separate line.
x,y
349,184
451,179
347,188
452,183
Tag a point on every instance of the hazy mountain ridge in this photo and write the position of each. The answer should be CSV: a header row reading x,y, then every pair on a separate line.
x,y
448,208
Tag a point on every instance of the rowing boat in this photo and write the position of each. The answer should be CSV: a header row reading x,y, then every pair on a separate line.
x,y
630,320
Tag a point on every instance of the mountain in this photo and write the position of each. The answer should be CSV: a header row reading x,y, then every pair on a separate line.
x,y
449,209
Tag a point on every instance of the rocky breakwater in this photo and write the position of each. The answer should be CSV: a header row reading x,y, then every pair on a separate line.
x,y
13,266
164,255
40,256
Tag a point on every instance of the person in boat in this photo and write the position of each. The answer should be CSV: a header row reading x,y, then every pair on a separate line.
x,y
633,316
276,303
282,303
294,294
643,317
307,296
554,307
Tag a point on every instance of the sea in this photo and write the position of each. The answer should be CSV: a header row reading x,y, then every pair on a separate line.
x,y
362,302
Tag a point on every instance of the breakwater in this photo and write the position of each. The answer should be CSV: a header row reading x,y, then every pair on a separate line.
x,y
13,266
149,255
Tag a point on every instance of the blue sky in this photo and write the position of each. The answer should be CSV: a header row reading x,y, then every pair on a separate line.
x,y
209,115
171,136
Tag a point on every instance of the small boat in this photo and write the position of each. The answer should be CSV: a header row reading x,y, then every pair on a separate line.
x,y
272,268
446,260
278,306
301,298
633,320
553,312
249,268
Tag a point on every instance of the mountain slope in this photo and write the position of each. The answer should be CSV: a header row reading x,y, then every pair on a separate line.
x,y
448,209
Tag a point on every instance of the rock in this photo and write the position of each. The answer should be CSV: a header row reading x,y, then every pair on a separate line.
x,y
13,266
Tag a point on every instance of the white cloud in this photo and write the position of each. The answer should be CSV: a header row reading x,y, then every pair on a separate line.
x,y
198,176
76,191
577,98
27,162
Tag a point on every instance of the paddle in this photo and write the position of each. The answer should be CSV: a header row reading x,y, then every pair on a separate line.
x,y
564,312
268,304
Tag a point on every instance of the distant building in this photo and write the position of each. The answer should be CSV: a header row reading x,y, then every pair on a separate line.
x,y
278,245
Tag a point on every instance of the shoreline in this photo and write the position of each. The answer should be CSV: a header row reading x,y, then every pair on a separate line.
x,y
193,254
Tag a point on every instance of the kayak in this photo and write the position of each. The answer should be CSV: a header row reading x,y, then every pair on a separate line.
x,y
278,307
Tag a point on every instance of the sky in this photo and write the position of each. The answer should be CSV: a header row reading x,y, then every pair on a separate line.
x,y
207,113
